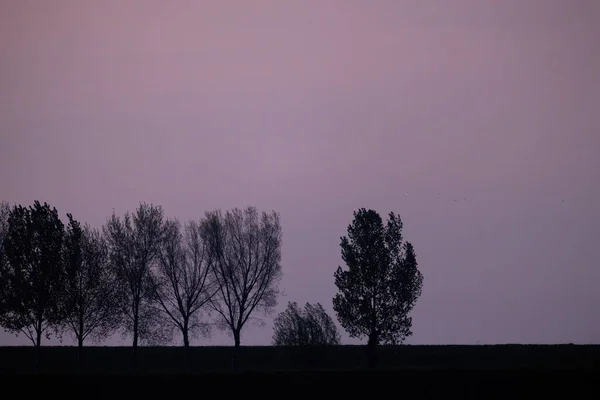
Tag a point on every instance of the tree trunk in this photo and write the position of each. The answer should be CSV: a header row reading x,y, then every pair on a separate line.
x,y
186,339
80,351
38,345
236,348
135,343
372,349
80,341
186,346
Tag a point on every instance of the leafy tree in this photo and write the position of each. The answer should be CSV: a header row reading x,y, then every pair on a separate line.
x,y
134,245
382,282
182,283
245,254
91,300
32,272
4,212
309,327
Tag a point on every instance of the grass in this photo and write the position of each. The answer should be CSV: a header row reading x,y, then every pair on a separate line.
x,y
169,360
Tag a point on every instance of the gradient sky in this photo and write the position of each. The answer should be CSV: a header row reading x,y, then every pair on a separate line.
x,y
478,121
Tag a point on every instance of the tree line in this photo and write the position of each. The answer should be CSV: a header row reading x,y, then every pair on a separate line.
x,y
149,277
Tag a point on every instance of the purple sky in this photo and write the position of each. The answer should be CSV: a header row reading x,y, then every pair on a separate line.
x,y
316,108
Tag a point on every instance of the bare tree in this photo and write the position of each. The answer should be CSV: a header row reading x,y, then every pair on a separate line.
x,y
182,284
91,301
245,253
133,243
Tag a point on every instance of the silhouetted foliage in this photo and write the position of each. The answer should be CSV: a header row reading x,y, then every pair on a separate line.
x,y
91,302
382,283
134,245
309,327
182,283
32,272
4,212
245,255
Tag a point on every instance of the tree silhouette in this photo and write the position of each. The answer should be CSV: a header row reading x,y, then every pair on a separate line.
x,y
182,283
245,255
309,327
4,288
32,274
382,283
4,212
91,301
134,245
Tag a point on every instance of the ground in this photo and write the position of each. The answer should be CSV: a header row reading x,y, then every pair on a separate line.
x,y
165,360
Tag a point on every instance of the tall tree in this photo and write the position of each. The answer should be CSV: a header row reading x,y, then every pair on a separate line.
x,y
32,273
382,282
245,255
182,283
134,244
4,212
311,326
91,301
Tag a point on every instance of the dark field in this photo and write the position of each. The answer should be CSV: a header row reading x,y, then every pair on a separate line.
x,y
166,360
502,371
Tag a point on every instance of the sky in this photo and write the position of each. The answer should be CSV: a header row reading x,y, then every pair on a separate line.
x,y
477,121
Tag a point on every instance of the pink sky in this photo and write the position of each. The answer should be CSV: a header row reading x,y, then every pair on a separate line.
x,y
315,108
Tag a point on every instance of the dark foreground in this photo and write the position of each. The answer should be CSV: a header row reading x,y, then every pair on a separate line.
x,y
414,384
418,371
168,360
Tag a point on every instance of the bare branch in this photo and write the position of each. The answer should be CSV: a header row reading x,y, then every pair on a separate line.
x,y
91,300
134,246
245,254
181,279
